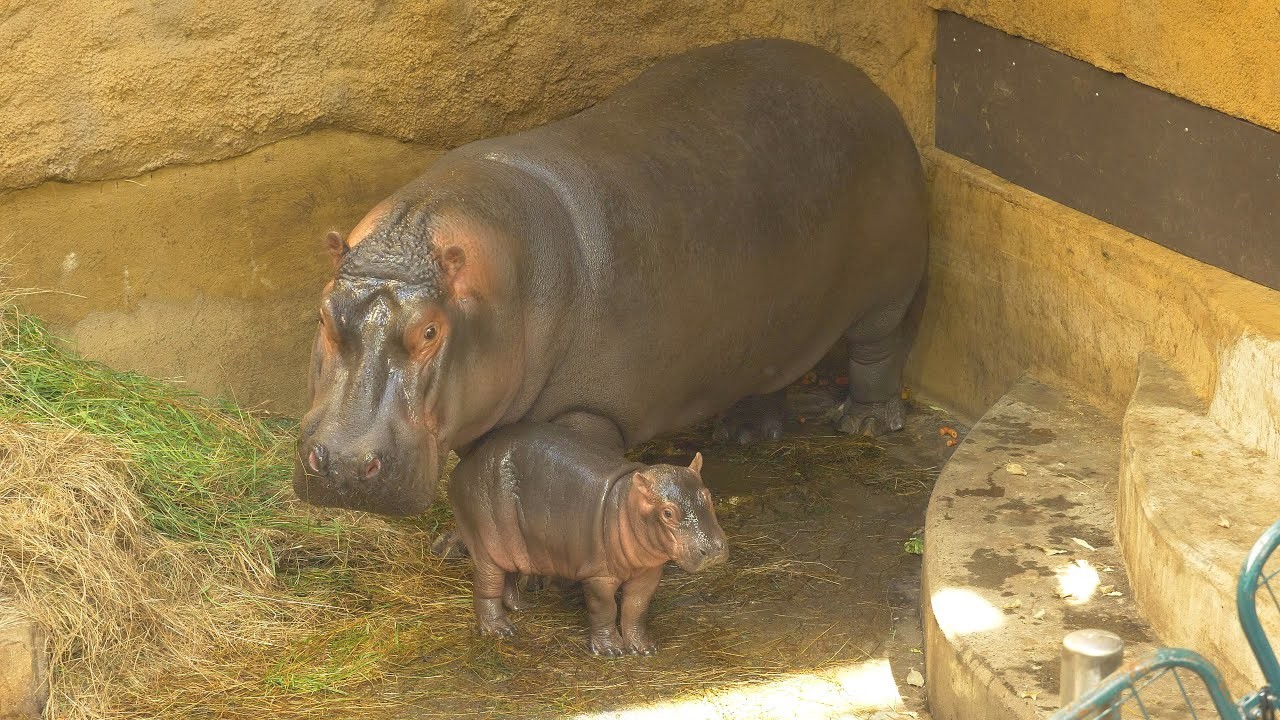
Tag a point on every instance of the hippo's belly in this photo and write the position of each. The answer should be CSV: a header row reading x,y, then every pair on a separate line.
x,y
734,213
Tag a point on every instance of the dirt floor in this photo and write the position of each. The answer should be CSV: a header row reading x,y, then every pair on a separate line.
x,y
816,614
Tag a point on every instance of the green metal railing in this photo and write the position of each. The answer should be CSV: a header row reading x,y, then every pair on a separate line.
x,y
1121,691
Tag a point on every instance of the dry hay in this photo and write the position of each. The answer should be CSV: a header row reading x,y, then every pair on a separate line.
x,y
153,535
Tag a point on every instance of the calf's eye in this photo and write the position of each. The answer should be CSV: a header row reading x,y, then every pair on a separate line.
x,y
668,514
429,334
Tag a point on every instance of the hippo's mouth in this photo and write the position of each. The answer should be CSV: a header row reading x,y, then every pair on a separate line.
x,y
402,488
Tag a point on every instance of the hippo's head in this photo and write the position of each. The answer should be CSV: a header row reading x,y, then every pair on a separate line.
x,y
676,507
409,362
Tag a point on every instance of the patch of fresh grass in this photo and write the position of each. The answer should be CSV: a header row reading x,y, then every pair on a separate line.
x,y
207,471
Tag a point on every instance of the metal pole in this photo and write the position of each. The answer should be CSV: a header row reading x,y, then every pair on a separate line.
x,y
1088,656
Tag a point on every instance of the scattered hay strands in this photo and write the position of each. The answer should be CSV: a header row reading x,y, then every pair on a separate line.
x,y
154,535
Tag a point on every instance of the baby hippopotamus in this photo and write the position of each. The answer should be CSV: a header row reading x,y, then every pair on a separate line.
x,y
539,499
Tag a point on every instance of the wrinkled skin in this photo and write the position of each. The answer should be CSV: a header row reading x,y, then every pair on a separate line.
x,y
703,236
540,499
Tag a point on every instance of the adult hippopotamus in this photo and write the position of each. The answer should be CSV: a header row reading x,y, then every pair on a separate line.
x,y
700,238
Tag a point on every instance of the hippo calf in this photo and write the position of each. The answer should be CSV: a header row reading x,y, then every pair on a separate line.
x,y
539,499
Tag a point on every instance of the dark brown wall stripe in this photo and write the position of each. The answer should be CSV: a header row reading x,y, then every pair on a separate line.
x,y
1190,178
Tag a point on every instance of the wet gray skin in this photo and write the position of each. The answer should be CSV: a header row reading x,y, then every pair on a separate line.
x,y
704,236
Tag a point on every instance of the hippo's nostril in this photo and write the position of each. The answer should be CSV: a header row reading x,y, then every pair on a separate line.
x,y
317,459
372,468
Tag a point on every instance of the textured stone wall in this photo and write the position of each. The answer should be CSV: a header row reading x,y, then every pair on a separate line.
x,y
96,89
210,272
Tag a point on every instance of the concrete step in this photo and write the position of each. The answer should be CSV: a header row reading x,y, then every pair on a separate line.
x,y
1193,500
1021,516
1246,396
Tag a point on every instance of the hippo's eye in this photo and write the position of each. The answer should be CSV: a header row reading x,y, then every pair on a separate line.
x,y
429,334
668,514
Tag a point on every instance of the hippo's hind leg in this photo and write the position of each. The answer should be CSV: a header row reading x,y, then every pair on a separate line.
x,y
878,347
753,418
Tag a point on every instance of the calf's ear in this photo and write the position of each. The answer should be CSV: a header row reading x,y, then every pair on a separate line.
x,y
696,465
643,485
337,246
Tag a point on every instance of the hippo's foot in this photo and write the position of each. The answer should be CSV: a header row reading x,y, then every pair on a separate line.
x,y
640,642
449,545
606,643
752,419
492,621
873,419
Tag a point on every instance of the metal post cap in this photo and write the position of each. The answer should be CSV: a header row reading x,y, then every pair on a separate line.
x,y
1091,642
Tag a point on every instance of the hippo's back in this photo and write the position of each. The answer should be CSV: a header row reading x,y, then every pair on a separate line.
x,y
764,137
531,496
733,210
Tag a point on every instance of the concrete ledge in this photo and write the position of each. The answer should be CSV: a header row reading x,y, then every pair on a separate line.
x,y
993,617
1246,401
1182,478
1020,282
1008,532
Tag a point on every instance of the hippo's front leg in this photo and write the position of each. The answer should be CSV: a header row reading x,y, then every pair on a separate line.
x,y
491,584
636,594
602,613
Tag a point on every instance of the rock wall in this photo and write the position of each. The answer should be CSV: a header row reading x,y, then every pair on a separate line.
x,y
293,118
111,88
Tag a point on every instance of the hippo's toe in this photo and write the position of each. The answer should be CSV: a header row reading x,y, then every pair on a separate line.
x,y
873,419
753,419
648,648
607,645
501,630
449,545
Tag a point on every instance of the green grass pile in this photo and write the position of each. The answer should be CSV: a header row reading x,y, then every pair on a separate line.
x,y
153,535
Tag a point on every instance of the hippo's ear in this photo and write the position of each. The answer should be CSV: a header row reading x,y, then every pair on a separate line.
x,y
644,485
696,465
337,247
453,261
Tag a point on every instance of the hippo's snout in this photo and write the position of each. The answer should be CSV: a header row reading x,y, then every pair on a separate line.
x,y
703,554
364,467
364,476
